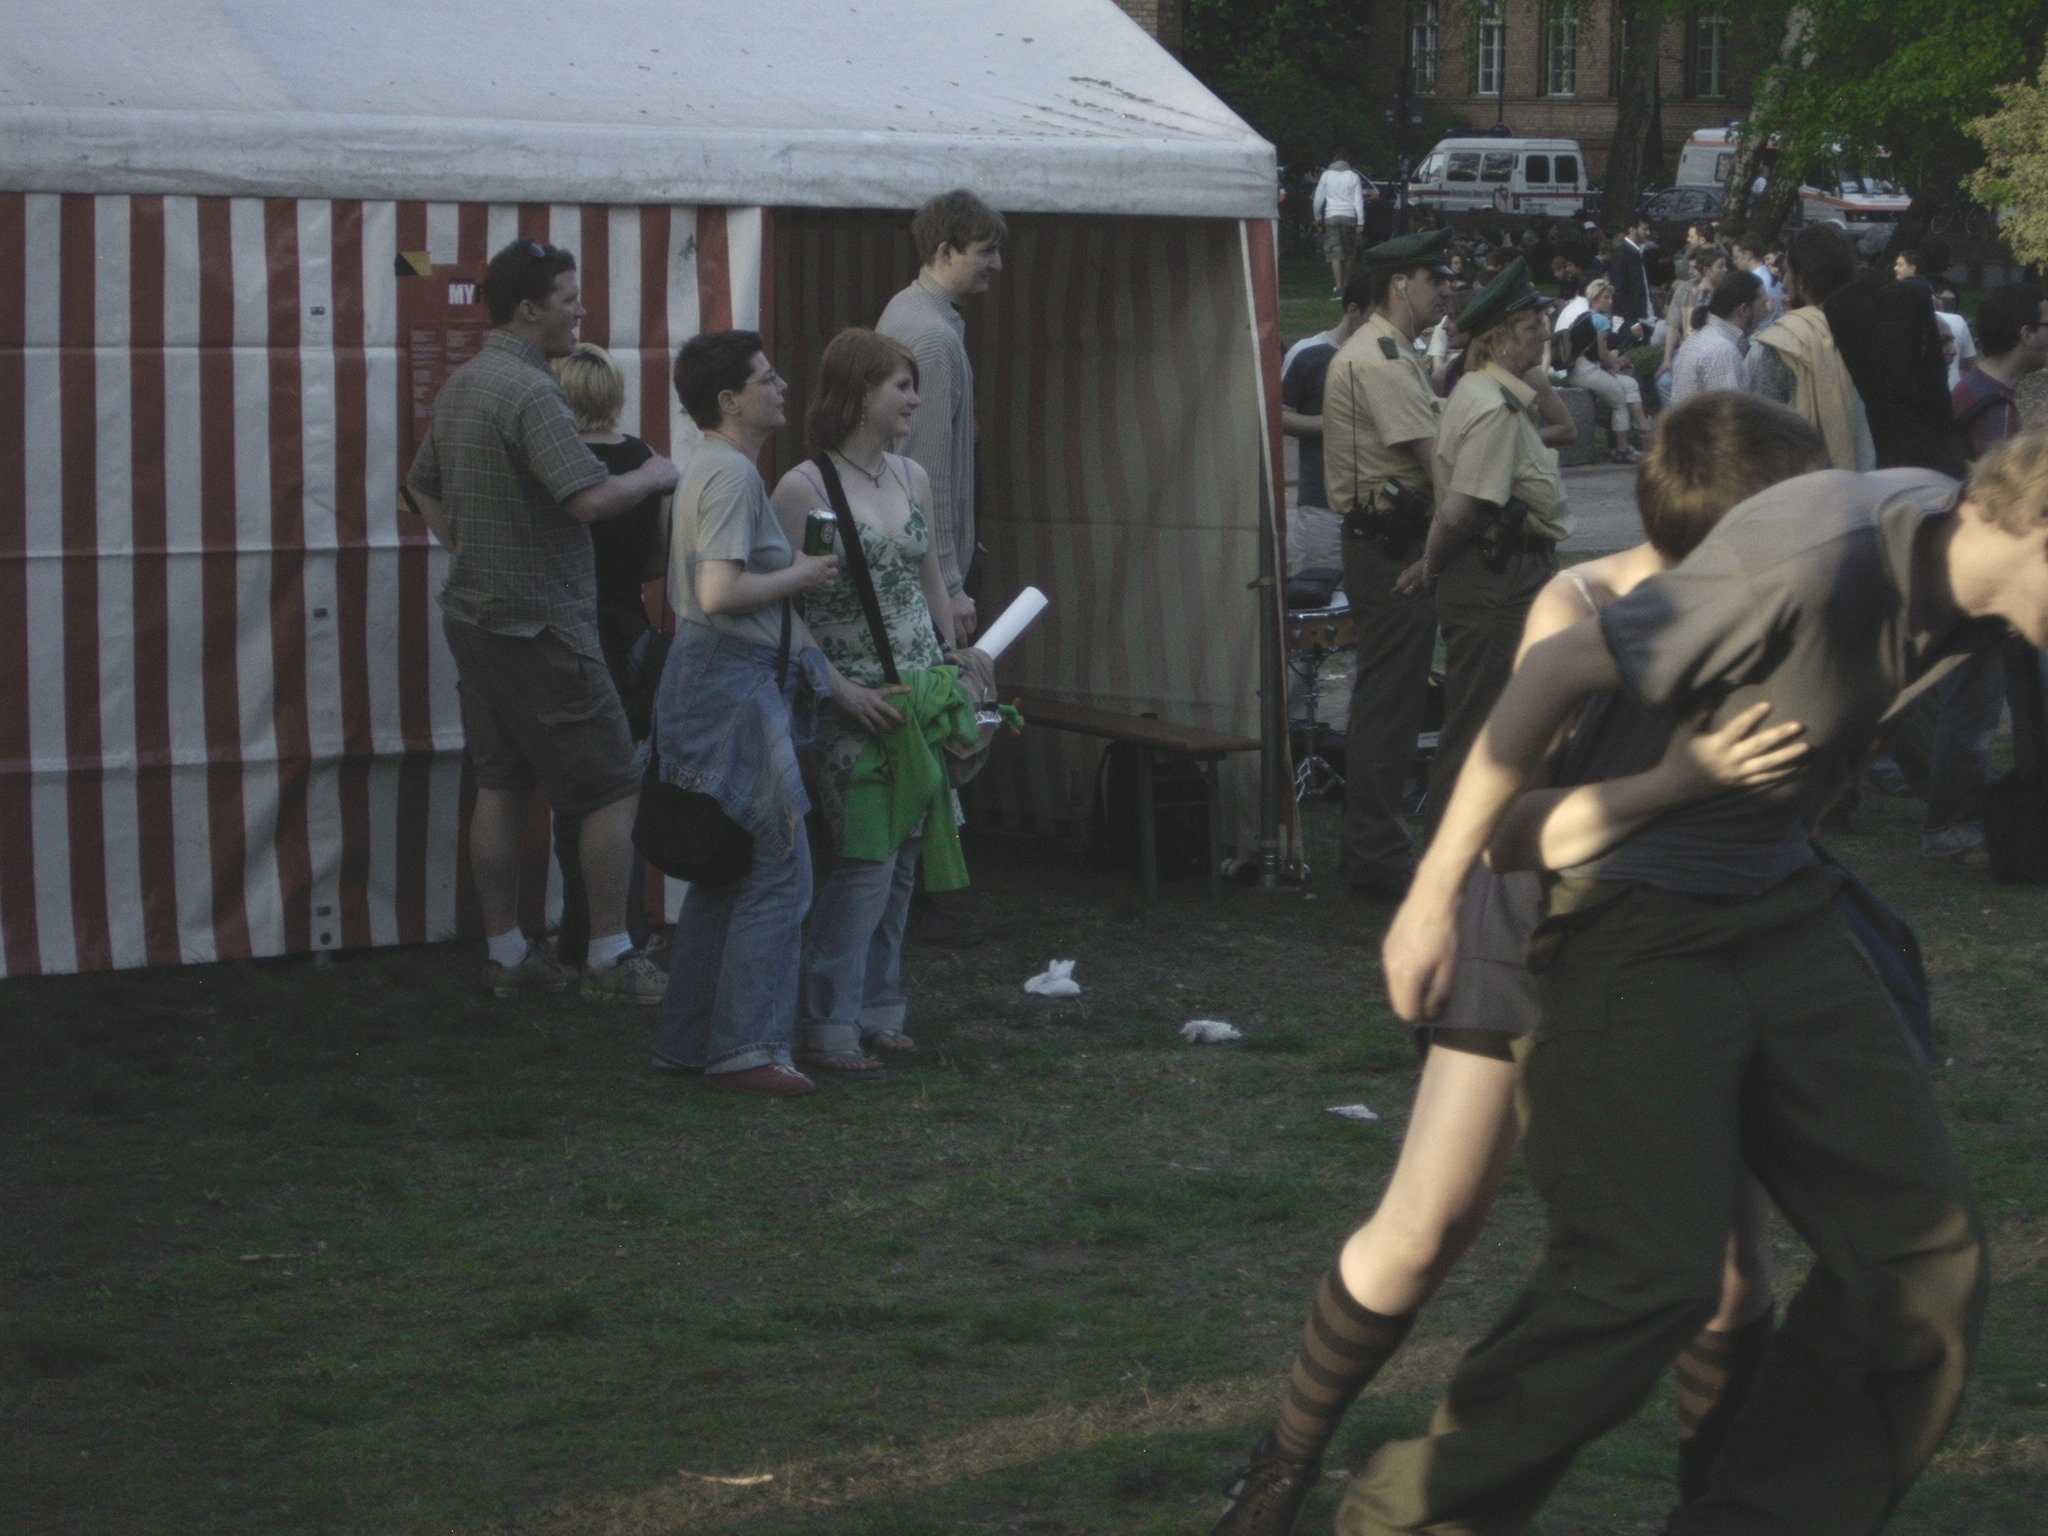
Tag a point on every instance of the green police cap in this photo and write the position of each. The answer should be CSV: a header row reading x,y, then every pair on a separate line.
x,y
1501,300
1429,249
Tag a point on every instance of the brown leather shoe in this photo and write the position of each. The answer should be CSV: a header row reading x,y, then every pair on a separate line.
x,y
1267,1497
770,1080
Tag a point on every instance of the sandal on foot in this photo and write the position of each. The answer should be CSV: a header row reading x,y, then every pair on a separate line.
x,y
894,1041
847,1066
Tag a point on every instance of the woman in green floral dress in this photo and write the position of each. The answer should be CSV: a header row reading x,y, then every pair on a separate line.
x,y
851,993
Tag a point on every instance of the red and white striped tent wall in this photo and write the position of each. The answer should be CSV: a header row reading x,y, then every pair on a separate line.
x,y
230,727
227,720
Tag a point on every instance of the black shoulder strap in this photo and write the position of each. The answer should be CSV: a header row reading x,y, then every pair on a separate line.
x,y
855,558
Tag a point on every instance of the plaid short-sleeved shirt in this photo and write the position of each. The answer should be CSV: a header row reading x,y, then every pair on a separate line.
x,y
502,456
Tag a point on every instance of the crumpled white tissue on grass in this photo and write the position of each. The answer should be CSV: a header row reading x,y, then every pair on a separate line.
x,y
1353,1112
1210,1032
1056,980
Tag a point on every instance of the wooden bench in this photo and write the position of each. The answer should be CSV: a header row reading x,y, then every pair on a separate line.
x,y
1151,736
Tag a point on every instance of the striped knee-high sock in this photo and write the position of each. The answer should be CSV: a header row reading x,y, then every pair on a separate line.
x,y
1713,1376
1342,1348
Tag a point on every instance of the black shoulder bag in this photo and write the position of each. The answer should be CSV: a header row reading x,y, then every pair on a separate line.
x,y
685,833
962,761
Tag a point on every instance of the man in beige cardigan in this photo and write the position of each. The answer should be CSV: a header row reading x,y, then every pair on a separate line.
x,y
1795,361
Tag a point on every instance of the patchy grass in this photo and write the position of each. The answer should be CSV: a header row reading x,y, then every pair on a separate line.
x,y
352,1249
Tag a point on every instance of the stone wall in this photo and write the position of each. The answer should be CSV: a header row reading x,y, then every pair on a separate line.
x,y
1162,18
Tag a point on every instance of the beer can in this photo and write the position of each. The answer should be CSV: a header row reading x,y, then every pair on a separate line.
x,y
821,532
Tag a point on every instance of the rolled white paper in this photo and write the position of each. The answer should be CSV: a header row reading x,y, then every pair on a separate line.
x,y
1016,618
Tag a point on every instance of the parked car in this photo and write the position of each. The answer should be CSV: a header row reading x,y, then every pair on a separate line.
x,y
1674,210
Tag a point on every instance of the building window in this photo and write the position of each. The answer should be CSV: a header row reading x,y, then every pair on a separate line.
x,y
1710,55
1492,50
1561,54
1422,39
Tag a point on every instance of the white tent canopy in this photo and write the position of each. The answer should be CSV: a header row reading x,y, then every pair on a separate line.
x,y
244,238
1058,106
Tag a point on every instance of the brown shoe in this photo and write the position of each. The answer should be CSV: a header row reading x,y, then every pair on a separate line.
x,y
1267,1497
770,1080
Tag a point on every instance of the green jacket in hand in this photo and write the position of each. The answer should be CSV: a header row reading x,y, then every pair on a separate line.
x,y
901,780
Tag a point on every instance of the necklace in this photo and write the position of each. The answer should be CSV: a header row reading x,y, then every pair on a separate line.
x,y
874,476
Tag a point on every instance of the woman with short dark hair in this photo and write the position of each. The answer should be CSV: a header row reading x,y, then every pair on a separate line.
x,y
727,723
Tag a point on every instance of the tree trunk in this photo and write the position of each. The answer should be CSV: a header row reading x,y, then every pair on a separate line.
x,y
1735,199
1642,22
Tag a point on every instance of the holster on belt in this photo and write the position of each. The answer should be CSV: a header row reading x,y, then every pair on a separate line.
x,y
1395,518
1500,536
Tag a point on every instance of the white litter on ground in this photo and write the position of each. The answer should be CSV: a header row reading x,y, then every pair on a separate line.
x,y
1353,1112
1210,1032
1056,980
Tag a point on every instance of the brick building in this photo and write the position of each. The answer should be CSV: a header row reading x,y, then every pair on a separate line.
x,y
1548,69
1162,18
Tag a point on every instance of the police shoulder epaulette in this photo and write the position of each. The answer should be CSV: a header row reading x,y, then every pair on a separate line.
x,y
1390,349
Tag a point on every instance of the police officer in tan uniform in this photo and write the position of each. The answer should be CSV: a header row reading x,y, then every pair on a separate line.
x,y
1379,428
1500,507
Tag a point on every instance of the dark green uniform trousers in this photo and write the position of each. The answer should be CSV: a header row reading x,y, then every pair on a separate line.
x,y
1681,1036
1482,613
1389,689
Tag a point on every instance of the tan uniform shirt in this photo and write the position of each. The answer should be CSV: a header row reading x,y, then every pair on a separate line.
x,y
1379,416
1488,449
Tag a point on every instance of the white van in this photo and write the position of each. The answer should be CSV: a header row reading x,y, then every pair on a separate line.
x,y
1508,176
1863,198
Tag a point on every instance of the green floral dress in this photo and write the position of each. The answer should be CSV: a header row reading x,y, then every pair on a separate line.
x,y
841,630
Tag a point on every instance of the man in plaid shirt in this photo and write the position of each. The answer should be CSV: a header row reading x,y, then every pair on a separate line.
x,y
508,487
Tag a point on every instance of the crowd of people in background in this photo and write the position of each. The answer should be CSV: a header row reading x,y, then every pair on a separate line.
x,y
793,664
1872,355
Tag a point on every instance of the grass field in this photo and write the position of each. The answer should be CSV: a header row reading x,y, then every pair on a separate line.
x,y
345,1248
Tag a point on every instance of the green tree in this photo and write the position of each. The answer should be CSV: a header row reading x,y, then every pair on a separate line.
x,y
1634,154
1907,75
1296,71
2015,170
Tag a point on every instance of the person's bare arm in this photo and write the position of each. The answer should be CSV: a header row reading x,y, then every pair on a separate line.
x,y
1456,524
1558,428
1557,828
622,493
931,577
727,586
1420,952
1296,424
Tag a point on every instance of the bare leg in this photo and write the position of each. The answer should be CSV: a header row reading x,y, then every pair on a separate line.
x,y
607,858
494,833
1460,1135
1455,1154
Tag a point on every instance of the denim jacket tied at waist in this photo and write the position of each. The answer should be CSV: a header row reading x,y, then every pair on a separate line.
x,y
726,729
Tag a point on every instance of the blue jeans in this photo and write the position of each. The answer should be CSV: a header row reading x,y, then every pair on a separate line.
x,y
852,983
1959,758
732,979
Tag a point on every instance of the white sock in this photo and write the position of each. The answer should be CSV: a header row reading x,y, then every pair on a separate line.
x,y
508,948
606,952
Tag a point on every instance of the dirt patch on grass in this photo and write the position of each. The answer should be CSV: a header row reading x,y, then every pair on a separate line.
x,y
696,1502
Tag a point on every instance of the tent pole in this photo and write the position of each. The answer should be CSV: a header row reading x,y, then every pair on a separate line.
x,y
1272,696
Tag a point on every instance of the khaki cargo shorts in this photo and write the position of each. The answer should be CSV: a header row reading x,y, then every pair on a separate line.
x,y
536,712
